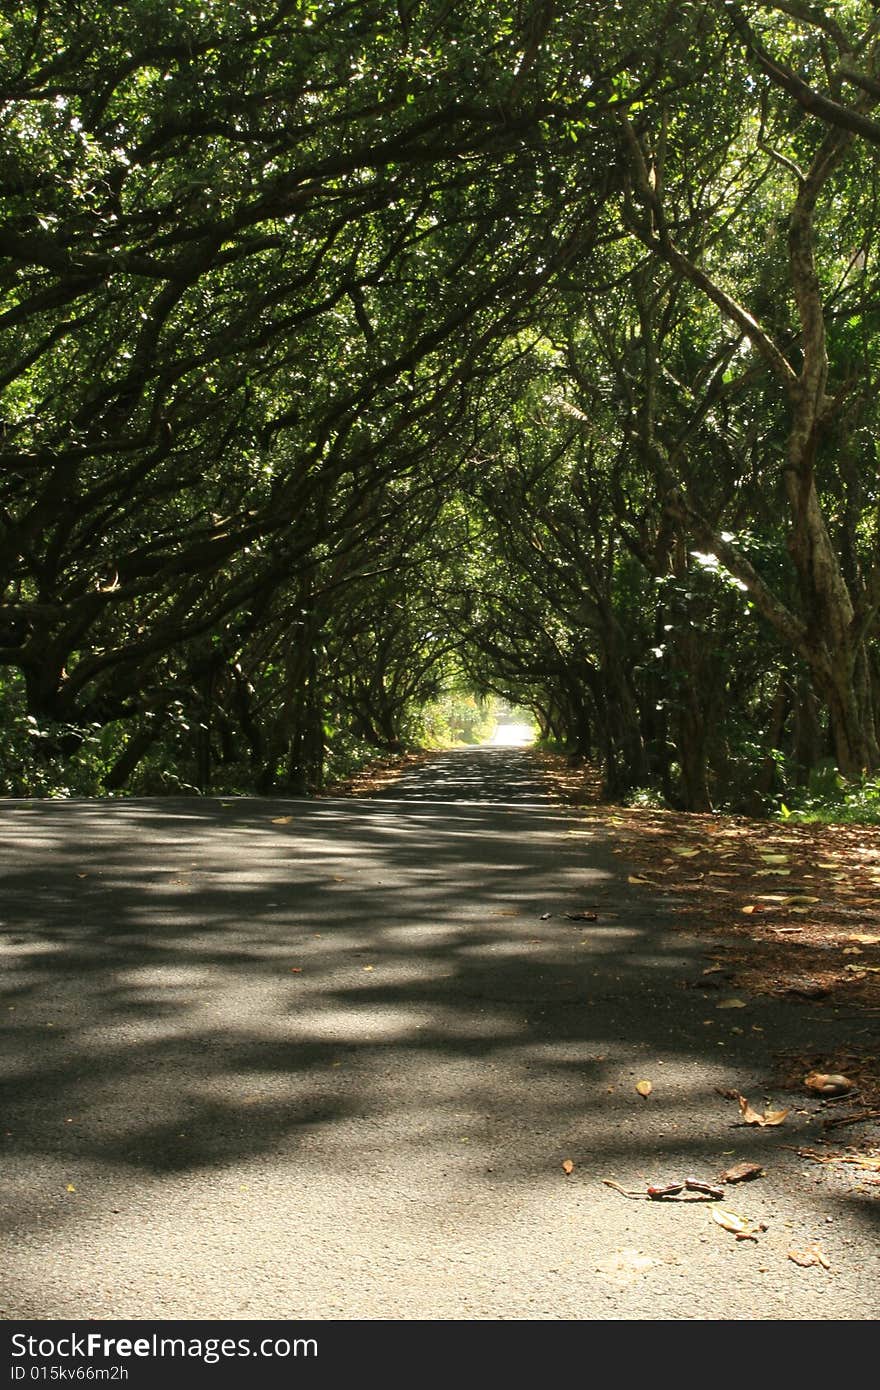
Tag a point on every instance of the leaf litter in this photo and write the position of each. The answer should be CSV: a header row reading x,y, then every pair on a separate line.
x,y
786,944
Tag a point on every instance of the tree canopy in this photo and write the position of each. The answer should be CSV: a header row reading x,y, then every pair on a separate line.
x,y
349,348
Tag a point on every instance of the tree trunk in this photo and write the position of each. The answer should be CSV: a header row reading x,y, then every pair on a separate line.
x,y
137,747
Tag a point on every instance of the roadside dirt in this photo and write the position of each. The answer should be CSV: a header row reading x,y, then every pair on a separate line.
x,y
375,776
791,911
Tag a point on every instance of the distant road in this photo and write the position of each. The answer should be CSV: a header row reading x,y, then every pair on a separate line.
x,y
513,735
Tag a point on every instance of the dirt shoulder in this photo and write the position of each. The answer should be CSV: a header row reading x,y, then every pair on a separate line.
x,y
788,910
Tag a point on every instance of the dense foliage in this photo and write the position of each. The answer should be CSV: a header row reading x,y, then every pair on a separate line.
x,y
353,350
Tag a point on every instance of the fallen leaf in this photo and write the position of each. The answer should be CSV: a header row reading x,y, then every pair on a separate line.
x,y
281,820
828,1083
70,1187
812,1255
567,1165
582,916
731,1003
685,851
801,899
751,1117
640,878
742,1172
730,1220
774,858
644,1088
296,970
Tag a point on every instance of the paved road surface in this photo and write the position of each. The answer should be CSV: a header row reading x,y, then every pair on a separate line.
x,y
325,1059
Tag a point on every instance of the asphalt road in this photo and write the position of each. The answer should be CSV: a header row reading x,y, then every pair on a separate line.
x,y
326,1059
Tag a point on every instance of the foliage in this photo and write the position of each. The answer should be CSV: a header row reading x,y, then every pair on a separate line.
x,y
353,353
830,799
458,717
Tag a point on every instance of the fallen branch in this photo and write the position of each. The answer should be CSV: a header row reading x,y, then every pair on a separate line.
x,y
691,1190
837,1121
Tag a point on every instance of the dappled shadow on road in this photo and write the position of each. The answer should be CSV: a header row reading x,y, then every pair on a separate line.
x,y
190,985
489,773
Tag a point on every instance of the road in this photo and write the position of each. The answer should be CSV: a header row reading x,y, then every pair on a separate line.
x,y
326,1059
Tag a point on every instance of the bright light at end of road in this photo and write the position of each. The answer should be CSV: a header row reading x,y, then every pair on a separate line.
x,y
513,735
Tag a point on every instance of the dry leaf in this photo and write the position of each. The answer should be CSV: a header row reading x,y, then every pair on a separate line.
x,y
731,1003
567,1165
644,1088
774,1117
281,820
812,1255
296,970
730,1220
742,1172
828,1083
70,1187
751,1117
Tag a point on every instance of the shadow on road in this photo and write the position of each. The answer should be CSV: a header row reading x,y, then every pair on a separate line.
x,y
340,984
